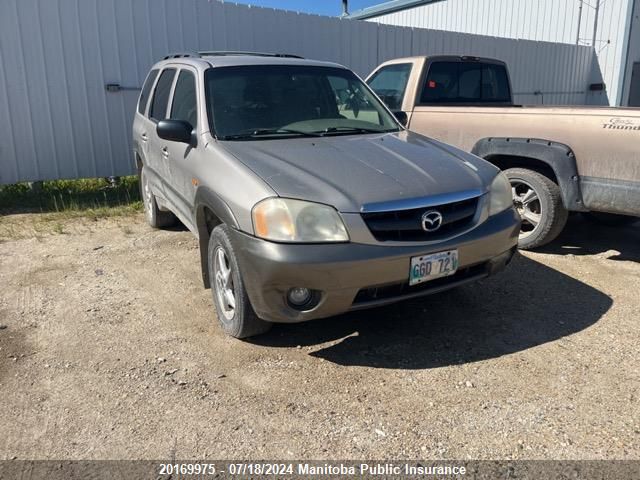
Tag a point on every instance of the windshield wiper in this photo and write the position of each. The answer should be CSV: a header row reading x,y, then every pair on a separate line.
x,y
259,132
355,130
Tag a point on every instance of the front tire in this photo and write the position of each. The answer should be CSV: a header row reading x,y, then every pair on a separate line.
x,y
235,313
539,202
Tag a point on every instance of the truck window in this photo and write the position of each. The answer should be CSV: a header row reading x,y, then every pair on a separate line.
x,y
146,89
390,83
158,110
184,105
465,83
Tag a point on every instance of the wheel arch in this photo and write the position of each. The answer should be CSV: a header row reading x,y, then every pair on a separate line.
x,y
552,159
210,211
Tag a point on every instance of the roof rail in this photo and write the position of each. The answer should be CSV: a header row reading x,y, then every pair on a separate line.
x,y
252,54
182,55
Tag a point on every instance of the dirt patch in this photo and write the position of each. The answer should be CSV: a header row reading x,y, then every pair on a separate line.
x,y
111,350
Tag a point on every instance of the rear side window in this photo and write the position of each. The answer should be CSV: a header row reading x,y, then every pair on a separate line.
x,y
184,105
390,83
146,90
463,82
158,110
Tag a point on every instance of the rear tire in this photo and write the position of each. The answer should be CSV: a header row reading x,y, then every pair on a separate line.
x,y
539,202
610,219
155,217
233,307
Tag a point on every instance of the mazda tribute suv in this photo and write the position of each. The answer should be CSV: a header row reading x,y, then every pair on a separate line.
x,y
308,196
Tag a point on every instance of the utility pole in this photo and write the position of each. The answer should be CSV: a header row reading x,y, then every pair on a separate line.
x,y
579,22
595,23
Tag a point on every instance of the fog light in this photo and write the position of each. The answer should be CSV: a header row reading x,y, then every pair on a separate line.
x,y
299,296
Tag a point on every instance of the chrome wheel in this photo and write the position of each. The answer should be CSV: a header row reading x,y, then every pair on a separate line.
x,y
527,203
224,284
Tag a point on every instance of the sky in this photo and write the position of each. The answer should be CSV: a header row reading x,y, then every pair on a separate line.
x,y
320,7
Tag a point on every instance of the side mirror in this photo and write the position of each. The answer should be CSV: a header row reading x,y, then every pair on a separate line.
x,y
401,117
176,131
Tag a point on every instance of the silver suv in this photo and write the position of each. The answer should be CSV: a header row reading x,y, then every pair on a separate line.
x,y
307,195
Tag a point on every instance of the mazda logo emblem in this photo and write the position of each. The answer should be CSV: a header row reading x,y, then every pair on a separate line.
x,y
431,221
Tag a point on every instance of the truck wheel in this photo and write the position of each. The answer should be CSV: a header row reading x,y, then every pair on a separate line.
x,y
235,313
539,203
611,219
155,217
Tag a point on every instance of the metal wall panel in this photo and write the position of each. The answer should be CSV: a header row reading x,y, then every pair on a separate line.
x,y
56,56
543,20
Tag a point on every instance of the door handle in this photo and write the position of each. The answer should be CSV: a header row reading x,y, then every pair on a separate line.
x,y
165,152
144,137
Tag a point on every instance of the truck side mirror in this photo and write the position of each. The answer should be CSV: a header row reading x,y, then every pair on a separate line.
x,y
176,131
401,117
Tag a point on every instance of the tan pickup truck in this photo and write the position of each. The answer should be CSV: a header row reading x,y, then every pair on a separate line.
x,y
558,159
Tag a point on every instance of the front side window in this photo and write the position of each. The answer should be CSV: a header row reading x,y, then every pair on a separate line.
x,y
463,82
185,106
390,83
158,110
273,101
146,90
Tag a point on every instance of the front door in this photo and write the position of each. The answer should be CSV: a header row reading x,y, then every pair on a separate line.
x,y
157,163
180,156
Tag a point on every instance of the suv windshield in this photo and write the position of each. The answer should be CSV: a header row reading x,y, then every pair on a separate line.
x,y
276,101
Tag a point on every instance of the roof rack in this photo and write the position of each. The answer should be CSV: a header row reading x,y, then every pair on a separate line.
x,y
181,55
252,54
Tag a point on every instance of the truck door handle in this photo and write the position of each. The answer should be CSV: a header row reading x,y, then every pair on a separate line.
x,y
144,137
165,152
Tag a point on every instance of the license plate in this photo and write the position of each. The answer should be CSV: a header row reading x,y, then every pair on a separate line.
x,y
435,265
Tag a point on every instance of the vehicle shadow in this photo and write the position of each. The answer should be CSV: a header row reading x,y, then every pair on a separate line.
x,y
584,237
527,305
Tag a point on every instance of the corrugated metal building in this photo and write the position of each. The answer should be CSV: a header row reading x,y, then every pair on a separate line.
x,y
56,57
611,27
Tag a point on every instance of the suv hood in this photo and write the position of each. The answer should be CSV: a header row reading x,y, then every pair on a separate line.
x,y
351,171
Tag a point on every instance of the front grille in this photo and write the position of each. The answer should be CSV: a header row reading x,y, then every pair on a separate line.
x,y
406,225
388,292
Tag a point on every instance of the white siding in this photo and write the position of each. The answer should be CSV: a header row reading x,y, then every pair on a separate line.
x,y
56,56
544,20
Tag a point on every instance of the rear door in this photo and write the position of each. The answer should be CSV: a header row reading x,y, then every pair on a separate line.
x,y
141,123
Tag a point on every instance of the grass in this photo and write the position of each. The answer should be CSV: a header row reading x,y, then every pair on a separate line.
x,y
95,198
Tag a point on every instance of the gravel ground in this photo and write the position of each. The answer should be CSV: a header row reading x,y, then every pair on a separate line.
x,y
109,348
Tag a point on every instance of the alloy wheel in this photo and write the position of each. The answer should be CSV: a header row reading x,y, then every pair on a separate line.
x,y
225,291
527,203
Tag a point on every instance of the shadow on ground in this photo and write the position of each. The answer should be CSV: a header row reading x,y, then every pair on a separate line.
x,y
584,237
527,305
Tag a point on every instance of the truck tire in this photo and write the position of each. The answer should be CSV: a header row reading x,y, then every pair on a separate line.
x,y
155,217
234,311
539,203
611,219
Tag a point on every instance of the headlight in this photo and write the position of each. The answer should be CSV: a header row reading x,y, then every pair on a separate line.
x,y
286,220
500,194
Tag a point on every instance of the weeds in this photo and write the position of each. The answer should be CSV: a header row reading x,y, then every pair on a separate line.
x,y
95,198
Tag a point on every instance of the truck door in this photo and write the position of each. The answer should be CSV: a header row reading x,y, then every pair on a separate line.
x,y
390,82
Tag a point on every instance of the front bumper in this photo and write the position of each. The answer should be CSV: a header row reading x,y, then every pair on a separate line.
x,y
353,276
